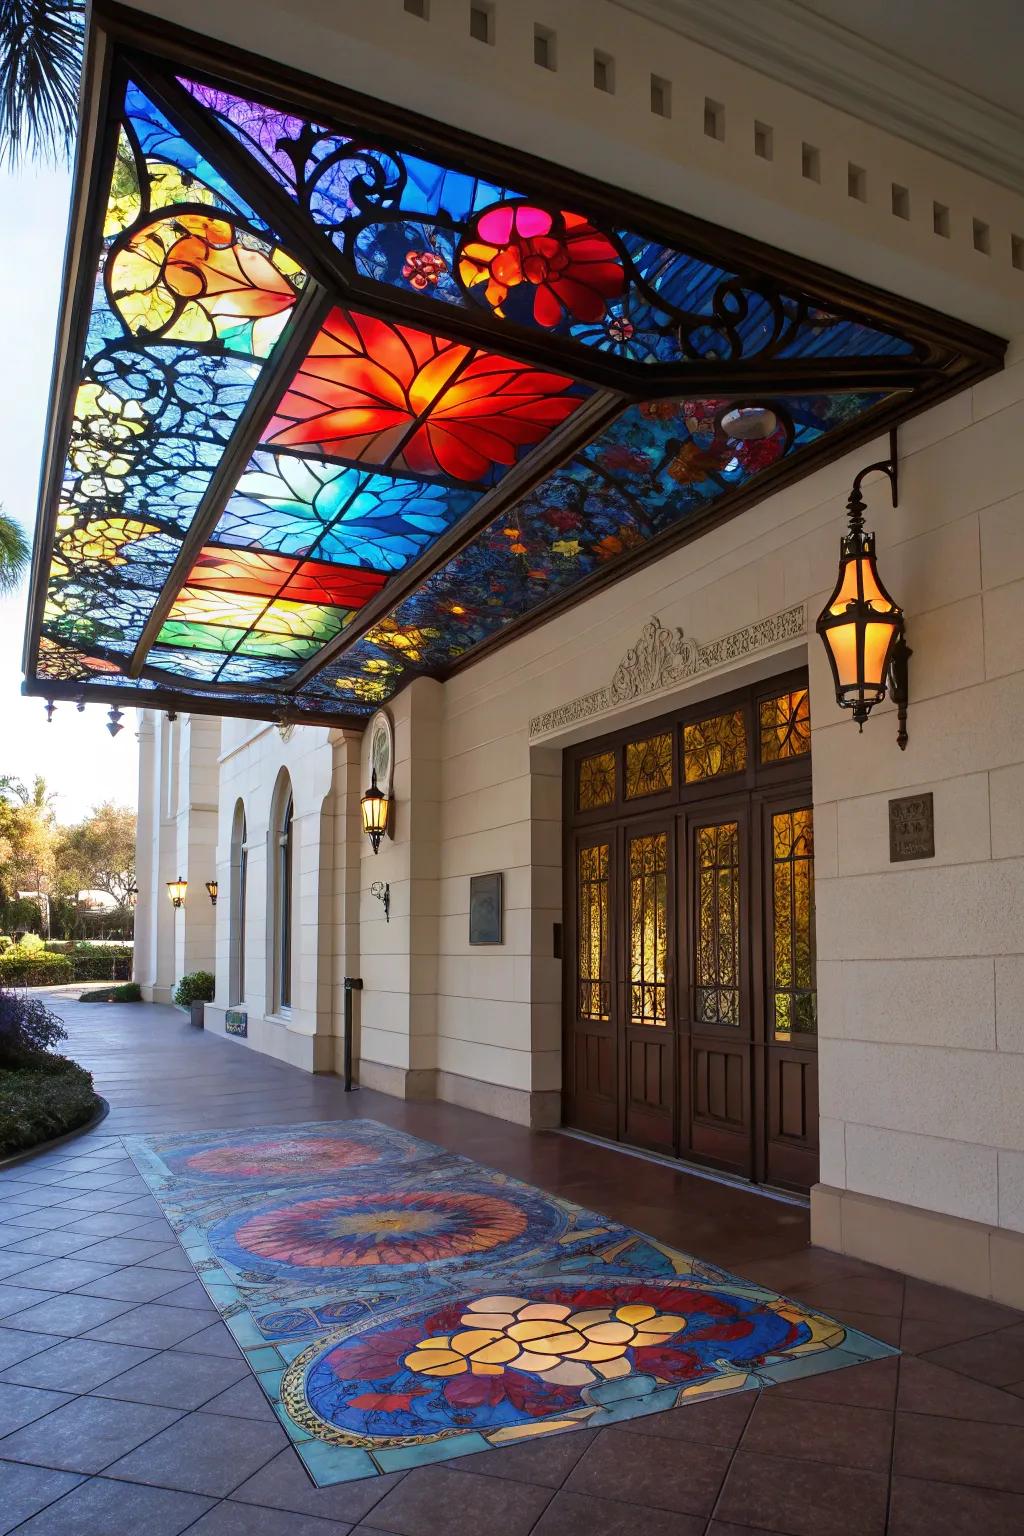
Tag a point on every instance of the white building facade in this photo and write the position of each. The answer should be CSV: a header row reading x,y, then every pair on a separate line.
x,y
919,1113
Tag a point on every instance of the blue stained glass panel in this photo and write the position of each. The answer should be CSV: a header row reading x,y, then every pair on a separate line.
x,y
302,506
160,141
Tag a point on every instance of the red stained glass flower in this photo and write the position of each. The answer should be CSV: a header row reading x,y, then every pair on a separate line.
x,y
574,268
390,395
258,573
422,269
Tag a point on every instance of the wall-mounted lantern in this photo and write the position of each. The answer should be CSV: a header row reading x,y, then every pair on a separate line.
x,y
114,718
861,626
211,891
177,891
375,807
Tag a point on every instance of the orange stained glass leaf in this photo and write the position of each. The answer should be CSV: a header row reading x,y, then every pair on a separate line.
x,y
239,611
260,574
785,726
596,784
648,766
391,395
189,277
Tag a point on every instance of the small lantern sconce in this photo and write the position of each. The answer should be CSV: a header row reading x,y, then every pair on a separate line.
x,y
176,891
211,891
114,718
862,628
375,807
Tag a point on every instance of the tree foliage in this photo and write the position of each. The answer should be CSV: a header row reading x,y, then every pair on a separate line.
x,y
99,853
57,862
40,70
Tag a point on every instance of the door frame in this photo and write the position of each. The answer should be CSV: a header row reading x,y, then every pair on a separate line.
x,y
748,792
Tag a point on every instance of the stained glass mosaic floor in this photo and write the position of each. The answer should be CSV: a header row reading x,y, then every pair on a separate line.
x,y
402,1305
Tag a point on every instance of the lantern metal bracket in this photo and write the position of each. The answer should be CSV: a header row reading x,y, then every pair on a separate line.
x,y
889,467
382,890
899,685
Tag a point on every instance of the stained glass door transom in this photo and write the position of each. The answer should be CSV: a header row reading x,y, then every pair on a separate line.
x,y
690,980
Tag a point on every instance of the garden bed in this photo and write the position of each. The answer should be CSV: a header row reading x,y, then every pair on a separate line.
x,y
43,1101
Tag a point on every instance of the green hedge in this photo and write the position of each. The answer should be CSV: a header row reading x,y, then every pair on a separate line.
x,y
95,962
128,992
34,970
43,1101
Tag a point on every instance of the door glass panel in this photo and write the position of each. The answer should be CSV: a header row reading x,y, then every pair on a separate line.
x,y
714,747
785,726
593,984
717,947
649,766
794,1001
596,783
648,927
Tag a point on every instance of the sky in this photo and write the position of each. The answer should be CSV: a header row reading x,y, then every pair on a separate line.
x,y
75,752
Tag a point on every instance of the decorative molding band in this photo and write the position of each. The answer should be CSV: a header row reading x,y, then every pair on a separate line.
x,y
820,58
663,658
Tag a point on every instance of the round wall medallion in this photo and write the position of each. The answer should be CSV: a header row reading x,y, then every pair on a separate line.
x,y
382,749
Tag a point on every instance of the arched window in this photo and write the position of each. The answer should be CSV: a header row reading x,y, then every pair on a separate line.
x,y
236,936
283,902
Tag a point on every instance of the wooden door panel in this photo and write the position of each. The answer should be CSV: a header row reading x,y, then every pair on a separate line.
x,y
648,1051
720,1128
792,1128
650,1078
591,1056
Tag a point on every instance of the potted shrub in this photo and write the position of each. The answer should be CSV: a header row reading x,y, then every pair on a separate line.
x,y
194,992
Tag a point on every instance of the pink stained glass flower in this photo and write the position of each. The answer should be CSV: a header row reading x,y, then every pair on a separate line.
x,y
575,269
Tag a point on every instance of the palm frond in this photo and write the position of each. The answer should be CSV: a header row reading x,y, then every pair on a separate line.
x,y
40,68
14,553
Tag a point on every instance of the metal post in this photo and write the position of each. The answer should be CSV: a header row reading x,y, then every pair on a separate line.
x,y
351,984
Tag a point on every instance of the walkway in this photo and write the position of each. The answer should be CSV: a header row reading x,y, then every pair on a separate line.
x,y
126,1406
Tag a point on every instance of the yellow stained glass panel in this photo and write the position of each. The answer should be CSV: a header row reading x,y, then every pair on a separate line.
x,y
794,996
785,726
593,982
714,747
717,960
648,928
649,766
596,782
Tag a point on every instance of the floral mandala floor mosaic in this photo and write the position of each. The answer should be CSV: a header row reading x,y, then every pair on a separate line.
x,y
402,1305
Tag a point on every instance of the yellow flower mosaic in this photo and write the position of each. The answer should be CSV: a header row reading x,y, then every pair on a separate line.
x,y
571,1349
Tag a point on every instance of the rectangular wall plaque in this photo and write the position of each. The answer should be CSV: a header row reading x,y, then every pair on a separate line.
x,y
911,828
236,1022
485,904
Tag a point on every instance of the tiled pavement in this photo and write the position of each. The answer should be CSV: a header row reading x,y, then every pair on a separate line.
x,y
125,1405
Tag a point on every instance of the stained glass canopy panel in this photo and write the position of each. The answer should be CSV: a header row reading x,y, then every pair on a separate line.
x,y
350,403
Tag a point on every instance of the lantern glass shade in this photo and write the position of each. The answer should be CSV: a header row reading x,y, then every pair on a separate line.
x,y
211,890
375,806
859,626
176,891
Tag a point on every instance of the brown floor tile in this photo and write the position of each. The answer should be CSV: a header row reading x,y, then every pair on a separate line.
x,y
100,1507
173,1380
944,1509
285,1484
27,1489
647,1470
874,1324
202,1453
872,1385
793,1273
718,1421
547,1461
863,1294
151,1325
938,1304
813,1431
435,1499
75,1365
68,1314
85,1435
960,1451
992,1358
802,1498
577,1514
929,1388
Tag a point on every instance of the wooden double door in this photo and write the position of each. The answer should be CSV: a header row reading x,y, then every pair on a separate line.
x,y
690,1023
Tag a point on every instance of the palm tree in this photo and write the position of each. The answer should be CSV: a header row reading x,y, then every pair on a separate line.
x,y
14,554
40,68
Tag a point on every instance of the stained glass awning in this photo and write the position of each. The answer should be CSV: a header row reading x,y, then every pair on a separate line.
x,y
344,397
